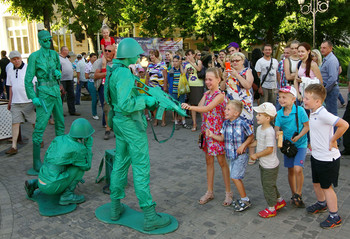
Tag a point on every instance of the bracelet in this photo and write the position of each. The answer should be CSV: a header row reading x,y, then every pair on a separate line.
x,y
103,70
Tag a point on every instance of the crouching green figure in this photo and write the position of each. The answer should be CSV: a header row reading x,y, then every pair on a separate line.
x,y
65,163
129,126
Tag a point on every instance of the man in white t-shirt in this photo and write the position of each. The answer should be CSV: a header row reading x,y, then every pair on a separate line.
x,y
81,80
20,106
268,78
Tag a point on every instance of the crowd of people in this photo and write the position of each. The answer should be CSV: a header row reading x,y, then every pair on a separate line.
x,y
223,86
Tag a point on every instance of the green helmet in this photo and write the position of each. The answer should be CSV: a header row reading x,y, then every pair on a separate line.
x,y
44,35
81,128
129,48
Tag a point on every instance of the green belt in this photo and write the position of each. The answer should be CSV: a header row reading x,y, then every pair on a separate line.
x,y
47,83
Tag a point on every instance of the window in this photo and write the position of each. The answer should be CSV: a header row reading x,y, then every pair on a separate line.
x,y
61,38
18,35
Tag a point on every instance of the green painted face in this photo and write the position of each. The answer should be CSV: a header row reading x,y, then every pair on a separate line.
x,y
45,43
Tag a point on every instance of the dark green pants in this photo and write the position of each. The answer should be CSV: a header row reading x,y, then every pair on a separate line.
x,y
268,181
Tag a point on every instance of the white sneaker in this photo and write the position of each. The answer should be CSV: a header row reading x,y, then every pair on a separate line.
x,y
95,117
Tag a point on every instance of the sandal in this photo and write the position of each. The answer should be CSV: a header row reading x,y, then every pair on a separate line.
x,y
163,125
297,201
208,196
228,199
194,128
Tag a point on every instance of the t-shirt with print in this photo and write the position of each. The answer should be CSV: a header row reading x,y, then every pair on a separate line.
x,y
155,72
288,124
266,138
176,77
262,66
192,77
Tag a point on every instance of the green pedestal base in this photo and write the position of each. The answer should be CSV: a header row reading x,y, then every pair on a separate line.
x,y
48,204
133,219
32,172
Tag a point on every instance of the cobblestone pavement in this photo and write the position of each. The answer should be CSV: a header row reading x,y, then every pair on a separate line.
x,y
178,180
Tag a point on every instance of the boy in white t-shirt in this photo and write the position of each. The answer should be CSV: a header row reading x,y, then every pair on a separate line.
x,y
325,158
269,163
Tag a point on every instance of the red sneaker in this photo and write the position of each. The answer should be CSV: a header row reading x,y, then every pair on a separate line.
x,y
280,205
267,213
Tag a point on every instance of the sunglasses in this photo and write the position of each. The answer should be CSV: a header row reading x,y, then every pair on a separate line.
x,y
235,60
108,50
199,54
46,40
312,55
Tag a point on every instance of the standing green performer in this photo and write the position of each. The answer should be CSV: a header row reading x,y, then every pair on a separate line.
x,y
65,163
129,126
45,65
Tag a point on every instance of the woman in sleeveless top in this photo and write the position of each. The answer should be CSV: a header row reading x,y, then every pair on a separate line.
x,y
307,68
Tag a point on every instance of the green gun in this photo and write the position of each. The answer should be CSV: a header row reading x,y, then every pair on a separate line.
x,y
166,102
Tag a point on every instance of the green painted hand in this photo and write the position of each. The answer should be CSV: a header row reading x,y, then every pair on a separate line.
x,y
36,102
57,74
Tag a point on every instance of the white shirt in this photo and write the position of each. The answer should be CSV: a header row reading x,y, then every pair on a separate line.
x,y
15,79
266,138
262,65
321,131
81,68
88,67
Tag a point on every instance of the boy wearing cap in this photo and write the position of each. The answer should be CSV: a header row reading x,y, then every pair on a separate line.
x,y
268,162
20,106
286,121
325,158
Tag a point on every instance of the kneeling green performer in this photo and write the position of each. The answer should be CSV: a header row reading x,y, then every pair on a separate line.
x,y
65,162
129,126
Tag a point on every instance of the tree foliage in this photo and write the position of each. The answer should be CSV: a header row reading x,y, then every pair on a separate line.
x,y
218,22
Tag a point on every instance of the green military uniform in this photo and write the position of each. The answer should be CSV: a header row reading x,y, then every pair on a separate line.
x,y
129,126
65,163
45,65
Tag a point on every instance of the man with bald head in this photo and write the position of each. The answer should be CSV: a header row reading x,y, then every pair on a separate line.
x,y
98,73
67,80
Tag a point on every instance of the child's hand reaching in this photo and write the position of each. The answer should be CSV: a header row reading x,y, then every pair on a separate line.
x,y
185,106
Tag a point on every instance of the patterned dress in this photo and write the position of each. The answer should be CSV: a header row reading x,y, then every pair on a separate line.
x,y
235,91
155,74
213,120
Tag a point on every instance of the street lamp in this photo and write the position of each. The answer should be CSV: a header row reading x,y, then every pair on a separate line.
x,y
313,7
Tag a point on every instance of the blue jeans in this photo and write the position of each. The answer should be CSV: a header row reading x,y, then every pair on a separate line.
x,y
93,93
341,99
78,91
332,100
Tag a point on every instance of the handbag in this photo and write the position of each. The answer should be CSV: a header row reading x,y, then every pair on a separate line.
x,y
183,87
288,148
201,139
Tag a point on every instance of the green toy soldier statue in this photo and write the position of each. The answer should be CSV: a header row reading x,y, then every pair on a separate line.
x,y
129,126
45,65
65,163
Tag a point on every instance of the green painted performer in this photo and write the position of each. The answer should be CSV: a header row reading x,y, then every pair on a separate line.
x,y
129,126
65,162
45,65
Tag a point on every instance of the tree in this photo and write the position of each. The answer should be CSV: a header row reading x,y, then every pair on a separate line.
x,y
38,10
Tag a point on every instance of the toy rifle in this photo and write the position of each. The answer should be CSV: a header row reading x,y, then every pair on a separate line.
x,y
166,102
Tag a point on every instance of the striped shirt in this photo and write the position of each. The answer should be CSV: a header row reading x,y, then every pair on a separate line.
x,y
235,133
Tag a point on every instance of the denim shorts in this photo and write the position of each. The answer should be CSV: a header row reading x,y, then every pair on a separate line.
x,y
238,166
298,160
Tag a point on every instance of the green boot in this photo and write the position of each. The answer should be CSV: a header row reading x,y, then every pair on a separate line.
x,y
152,220
36,157
68,196
117,209
30,186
